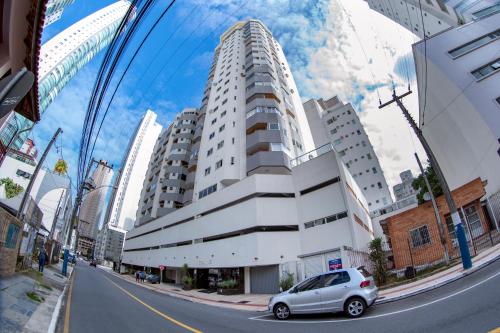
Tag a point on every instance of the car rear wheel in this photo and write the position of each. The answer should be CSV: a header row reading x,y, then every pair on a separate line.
x,y
281,311
355,307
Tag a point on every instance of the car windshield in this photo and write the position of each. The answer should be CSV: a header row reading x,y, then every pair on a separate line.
x,y
364,272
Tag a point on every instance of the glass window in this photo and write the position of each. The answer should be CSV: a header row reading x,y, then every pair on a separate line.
x,y
486,70
333,279
310,284
420,236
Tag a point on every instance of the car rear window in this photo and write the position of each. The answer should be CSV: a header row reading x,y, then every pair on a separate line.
x,y
364,272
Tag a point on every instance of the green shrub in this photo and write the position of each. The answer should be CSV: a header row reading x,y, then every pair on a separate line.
x,y
378,259
187,281
227,284
11,189
286,281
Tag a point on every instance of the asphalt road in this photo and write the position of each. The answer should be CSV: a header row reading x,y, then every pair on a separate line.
x,y
101,302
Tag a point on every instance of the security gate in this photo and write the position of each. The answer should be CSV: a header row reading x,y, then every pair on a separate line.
x,y
264,279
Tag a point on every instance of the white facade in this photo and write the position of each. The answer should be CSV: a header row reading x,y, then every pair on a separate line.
x,y
54,10
461,120
332,121
125,200
433,15
92,206
315,212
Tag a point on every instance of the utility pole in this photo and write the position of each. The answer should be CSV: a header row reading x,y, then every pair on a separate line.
x,y
462,241
436,212
74,212
35,173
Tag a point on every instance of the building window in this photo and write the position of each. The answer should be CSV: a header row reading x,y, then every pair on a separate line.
x,y
218,164
232,160
23,174
374,170
486,70
207,171
476,43
207,191
210,151
420,236
214,121
273,126
211,136
222,128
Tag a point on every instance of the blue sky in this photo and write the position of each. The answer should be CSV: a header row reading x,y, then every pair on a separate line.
x,y
323,40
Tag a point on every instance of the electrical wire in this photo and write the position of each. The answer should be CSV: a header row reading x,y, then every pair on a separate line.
x,y
425,57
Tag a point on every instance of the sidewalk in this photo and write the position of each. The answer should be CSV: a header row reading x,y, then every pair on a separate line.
x,y
22,313
254,302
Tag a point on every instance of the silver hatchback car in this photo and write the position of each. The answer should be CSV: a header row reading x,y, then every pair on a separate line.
x,y
351,290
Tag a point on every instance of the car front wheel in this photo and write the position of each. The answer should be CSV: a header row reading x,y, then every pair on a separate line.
x,y
355,307
281,311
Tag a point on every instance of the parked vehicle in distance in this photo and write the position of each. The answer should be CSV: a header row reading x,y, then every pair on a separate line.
x,y
93,263
153,278
351,290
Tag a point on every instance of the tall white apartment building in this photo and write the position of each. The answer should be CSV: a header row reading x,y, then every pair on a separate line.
x,y
433,15
66,53
168,184
92,207
255,203
124,202
459,102
54,10
333,121
404,189
253,117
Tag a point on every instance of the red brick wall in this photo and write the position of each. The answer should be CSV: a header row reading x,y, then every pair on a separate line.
x,y
399,226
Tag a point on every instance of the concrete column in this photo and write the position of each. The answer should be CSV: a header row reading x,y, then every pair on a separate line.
x,y
178,276
246,277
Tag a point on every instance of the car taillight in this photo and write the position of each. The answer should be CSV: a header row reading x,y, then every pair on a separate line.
x,y
364,284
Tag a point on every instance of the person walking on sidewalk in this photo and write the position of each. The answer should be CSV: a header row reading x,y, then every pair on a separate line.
x,y
42,257
143,276
136,276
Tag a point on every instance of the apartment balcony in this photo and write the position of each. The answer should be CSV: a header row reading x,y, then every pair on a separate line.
x,y
173,182
189,126
260,120
185,135
272,162
262,90
260,69
176,197
259,79
268,102
179,156
197,132
145,219
261,139
174,168
180,145
189,116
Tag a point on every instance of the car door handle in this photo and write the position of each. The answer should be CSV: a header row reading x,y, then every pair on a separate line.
x,y
346,286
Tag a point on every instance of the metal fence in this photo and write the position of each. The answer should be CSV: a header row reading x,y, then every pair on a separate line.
x,y
410,261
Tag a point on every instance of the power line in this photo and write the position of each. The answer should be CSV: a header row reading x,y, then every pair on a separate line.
x,y
425,57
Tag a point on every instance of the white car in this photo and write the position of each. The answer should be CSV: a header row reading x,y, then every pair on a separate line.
x,y
350,290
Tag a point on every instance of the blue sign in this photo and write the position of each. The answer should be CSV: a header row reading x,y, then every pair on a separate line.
x,y
334,264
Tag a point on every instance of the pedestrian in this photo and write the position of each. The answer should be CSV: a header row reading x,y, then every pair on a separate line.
x,y
42,257
143,276
136,276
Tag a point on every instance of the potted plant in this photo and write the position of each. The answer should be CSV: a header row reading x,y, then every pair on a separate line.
x,y
228,287
286,281
187,280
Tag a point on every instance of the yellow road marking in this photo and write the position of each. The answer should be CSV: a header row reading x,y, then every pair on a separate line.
x,y
68,304
189,328
496,330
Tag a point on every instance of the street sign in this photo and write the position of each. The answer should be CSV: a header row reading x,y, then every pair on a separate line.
x,y
13,88
162,267
334,264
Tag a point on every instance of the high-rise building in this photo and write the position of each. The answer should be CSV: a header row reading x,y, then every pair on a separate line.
x,y
404,189
256,185
458,75
54,10
332,121
433,16
166,186
109,245
92,207
124,202
66,53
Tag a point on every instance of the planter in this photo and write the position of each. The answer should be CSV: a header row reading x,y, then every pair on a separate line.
x,y
186,287
228,291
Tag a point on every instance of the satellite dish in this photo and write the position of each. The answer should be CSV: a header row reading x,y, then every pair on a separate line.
x,y
13,88
427,196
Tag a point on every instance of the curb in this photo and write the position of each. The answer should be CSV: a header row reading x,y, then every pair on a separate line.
x,y
57,309
195,299
462,275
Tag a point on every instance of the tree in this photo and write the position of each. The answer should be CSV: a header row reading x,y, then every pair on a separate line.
x,y
378,259
419,184
61,167
11,189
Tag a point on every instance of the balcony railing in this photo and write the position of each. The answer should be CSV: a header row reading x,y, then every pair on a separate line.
x,y
311,155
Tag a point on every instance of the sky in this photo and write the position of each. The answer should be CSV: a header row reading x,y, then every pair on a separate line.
x,y
334,47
